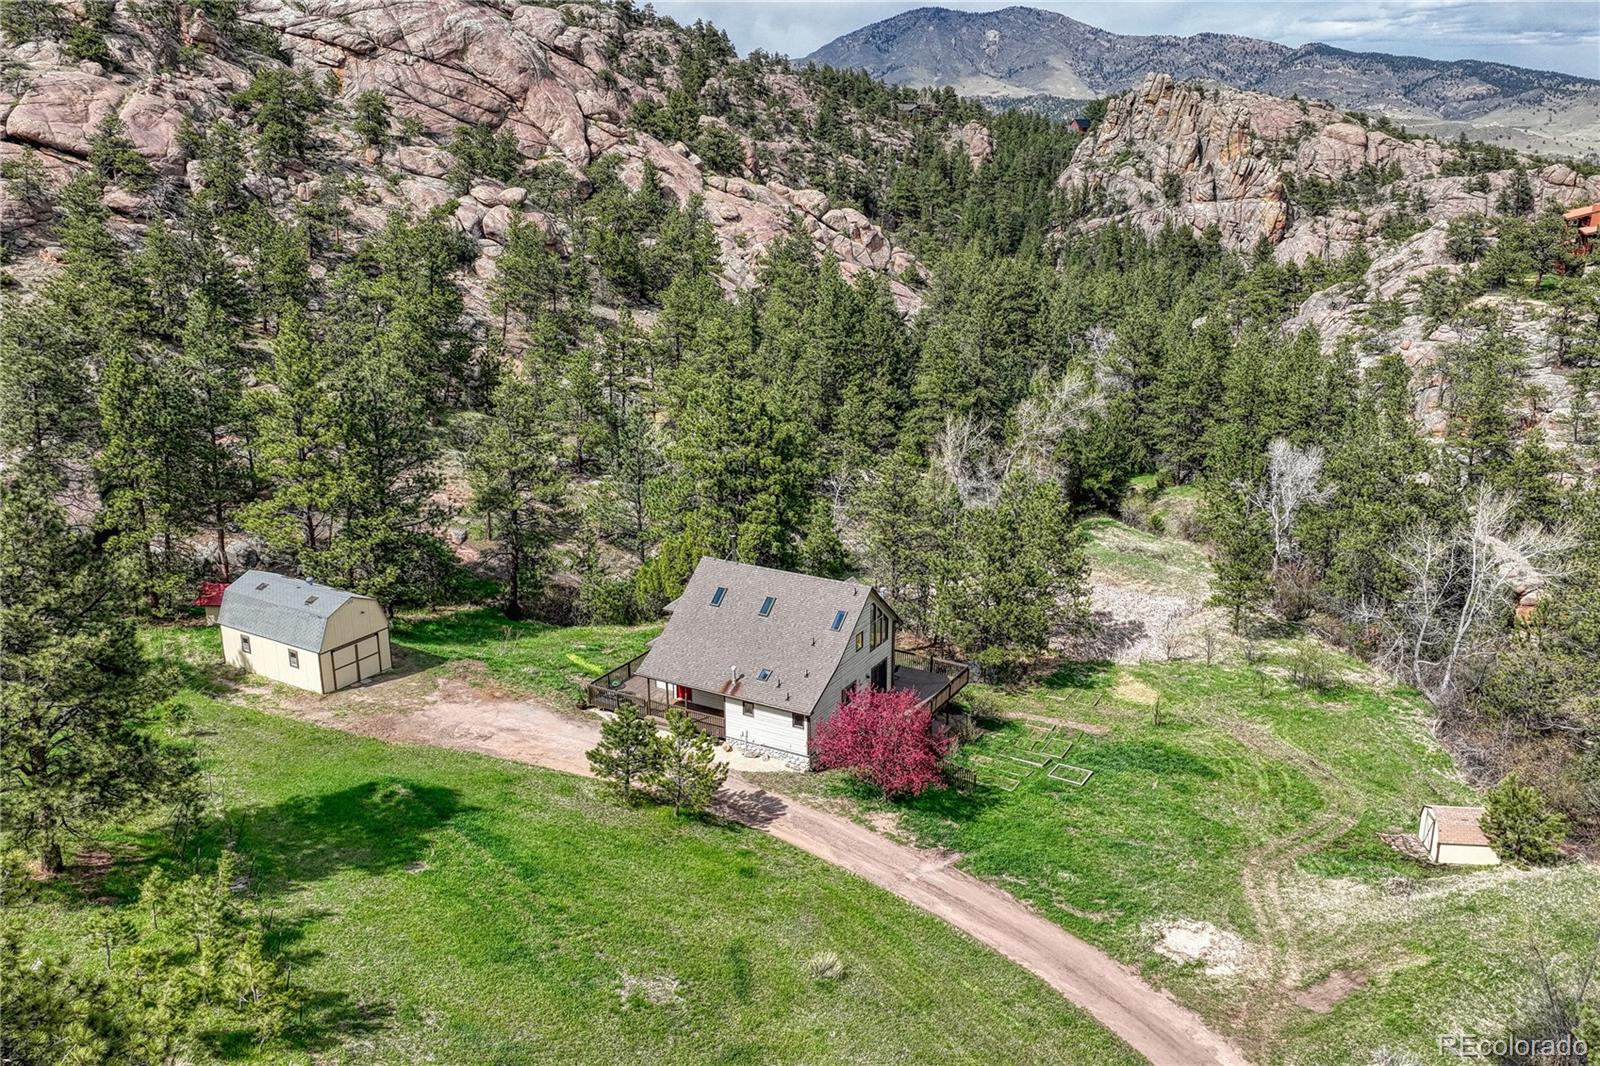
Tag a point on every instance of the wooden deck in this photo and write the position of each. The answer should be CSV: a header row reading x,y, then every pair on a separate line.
x,y
622,685
934,687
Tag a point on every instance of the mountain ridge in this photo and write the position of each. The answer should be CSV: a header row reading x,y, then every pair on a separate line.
x,y
1020,51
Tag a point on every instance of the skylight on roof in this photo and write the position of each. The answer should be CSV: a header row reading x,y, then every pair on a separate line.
x,y
763,674
261,586
310,600
716,597
766,605
838,621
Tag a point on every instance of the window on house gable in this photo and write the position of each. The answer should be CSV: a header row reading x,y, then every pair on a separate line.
x,y
766,605
716,597
880,625
838,621
861,639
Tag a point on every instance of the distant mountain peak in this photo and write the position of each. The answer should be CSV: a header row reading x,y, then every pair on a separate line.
x,y
1021,51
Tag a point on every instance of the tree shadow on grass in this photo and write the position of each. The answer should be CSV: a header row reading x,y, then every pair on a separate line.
x,y
381,825
323,1019
1087,675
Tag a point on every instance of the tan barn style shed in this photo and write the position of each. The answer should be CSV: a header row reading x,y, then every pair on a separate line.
x,y
312,636
1452,836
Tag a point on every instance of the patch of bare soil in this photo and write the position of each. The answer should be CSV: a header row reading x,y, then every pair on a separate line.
x,y
1185,940
658,990
1135,691
1329,992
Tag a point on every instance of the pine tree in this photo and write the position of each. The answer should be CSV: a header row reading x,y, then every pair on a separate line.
x,y
1244,554
383,495
77,696
686,771
213,365
148,469
296,422
515,484
627,753
1019,574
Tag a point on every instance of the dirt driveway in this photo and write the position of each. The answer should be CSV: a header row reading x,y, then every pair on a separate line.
x,y
456,715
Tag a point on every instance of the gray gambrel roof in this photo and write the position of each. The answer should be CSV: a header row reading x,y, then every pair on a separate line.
x,y
706,646
273,606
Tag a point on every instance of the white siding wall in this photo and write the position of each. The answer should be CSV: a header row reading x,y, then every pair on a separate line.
x,y
271,659
767,727
856,666
1467,855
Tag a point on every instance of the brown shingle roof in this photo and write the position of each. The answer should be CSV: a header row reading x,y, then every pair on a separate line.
x,y
724,648
1459,825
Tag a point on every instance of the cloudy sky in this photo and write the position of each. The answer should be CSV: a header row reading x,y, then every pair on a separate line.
x,y
1560,35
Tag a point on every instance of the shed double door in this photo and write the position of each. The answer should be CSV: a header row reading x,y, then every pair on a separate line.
x,y
357,661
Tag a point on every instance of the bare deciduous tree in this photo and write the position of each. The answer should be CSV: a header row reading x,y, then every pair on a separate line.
x,y
1459,583
1294,479
971,458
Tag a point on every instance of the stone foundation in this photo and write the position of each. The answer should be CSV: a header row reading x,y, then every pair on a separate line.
x,y
788,758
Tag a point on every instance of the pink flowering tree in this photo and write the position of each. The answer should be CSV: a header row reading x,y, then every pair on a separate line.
x,y
887,738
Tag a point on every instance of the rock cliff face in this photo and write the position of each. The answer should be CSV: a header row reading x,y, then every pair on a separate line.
x,y
1201,156
1242,161
547,75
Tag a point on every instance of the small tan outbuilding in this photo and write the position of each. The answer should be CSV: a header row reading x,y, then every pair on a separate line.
x,y
1452,836
312,636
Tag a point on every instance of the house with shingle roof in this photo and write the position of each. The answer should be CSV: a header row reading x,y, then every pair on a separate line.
x,y
302,633
762,657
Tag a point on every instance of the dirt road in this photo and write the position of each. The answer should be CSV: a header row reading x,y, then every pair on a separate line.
x,y
1150,1021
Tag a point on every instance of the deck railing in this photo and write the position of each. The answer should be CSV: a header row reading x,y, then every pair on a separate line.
x,y
605,690
958,673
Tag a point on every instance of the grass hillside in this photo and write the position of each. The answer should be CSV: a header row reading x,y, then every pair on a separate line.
x,y
1227,839
451,908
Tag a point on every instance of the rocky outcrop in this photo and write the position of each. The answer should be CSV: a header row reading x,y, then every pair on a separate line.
x,y
546,75
1346,311
1210,155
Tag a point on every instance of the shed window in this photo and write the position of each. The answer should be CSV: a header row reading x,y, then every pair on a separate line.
x,y
766,605
294,659
716,597
838,621
749,709
797,720
763,674
244,645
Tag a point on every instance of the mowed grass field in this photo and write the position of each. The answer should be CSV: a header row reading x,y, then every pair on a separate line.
x,y
1232,819
452,908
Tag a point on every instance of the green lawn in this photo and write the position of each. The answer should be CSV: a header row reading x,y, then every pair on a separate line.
x,y
1239,762
452,908
551,661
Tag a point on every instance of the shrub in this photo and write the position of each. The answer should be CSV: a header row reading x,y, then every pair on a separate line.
x,y
1520,824
885,738
1311,667
825,966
